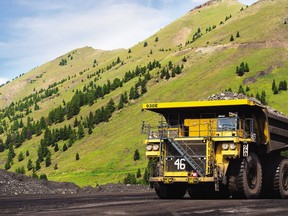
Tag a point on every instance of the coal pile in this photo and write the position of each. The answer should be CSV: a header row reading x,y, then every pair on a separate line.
x,y
234,96
19,184
16,184
231,96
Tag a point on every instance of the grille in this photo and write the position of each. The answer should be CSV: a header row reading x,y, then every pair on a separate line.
x,y
196,150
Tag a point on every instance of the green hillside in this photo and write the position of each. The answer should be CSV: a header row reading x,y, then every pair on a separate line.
x,y
190,59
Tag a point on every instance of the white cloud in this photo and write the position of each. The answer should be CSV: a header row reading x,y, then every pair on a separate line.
x,y
50,28
61,28
3,80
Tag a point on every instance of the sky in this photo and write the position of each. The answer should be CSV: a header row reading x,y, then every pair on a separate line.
x,y
34,32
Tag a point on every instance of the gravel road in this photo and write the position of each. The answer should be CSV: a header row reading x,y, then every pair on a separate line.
x,y
133,203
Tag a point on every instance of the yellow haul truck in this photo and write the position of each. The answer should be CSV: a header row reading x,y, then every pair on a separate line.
x,y
217,149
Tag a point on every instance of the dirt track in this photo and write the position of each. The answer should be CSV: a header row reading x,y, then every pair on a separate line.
x,y
144,203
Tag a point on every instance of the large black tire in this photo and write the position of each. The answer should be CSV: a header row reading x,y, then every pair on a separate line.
x,y
275,182
245,177
170,191
281,179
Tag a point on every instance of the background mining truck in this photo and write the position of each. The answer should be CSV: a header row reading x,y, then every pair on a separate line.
x,y
217,149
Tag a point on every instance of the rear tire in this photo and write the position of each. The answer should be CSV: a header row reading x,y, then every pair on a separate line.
x,y
245,177
275,184
281,176
170,191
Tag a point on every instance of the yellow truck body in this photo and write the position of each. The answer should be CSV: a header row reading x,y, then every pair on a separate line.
x,y
205,147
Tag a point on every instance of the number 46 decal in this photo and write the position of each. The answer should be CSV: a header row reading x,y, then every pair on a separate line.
x,y
180,163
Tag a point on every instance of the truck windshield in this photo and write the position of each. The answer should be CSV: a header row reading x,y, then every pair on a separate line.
x,y
227,123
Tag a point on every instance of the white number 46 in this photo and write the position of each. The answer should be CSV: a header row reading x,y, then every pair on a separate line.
x,y
180,163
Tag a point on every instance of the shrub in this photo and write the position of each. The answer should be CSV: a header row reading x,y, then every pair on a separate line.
x,y
20,170
43,177
130,179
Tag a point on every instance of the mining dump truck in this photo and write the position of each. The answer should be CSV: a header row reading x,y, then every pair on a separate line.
x,y
217,149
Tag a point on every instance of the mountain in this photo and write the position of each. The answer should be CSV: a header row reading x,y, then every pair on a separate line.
x,y
74,100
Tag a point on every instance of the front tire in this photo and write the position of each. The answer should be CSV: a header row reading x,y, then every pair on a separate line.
x,y
245,178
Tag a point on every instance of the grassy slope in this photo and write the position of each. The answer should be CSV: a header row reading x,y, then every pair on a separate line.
x,y
107,154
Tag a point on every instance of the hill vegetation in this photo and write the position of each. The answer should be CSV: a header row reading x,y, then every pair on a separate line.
x,y
78,118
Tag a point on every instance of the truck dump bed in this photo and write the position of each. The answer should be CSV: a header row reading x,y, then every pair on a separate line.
x,y
278,131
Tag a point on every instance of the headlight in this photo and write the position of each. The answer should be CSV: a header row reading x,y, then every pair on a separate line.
x,y
149,147
232,146
225,146
156,147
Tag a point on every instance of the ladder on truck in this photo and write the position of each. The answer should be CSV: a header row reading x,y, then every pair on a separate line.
x,y
188,157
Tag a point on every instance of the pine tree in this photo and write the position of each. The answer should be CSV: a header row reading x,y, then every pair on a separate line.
x,y
38,164
238,34
163,73
167,76
283,85
170,65
80,132
173,74
90,129
143,87
263,98
29,165
48,159
273,84
121,102
56,147
246,68
2,147
65,148
275,90
132,93
34,174
136,155
77,156
145,176
7,165
11,153
241,90
20,157
130,179
138,175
